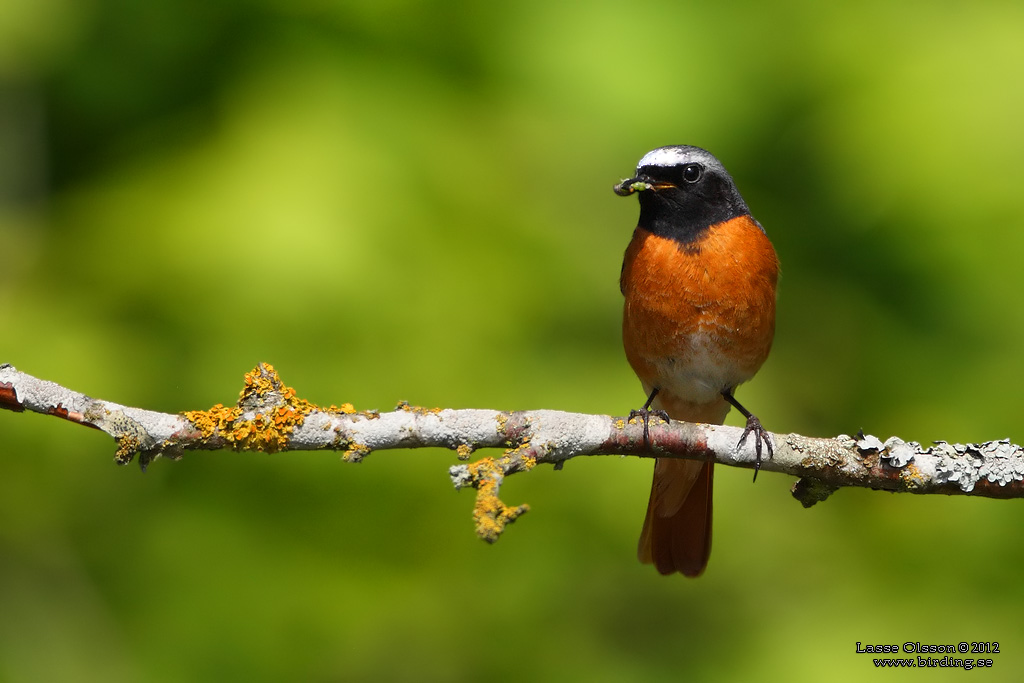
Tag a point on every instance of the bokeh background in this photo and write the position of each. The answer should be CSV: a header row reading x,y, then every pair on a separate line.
x,y
403,200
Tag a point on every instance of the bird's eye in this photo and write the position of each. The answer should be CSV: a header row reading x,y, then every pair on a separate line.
x,y
692,172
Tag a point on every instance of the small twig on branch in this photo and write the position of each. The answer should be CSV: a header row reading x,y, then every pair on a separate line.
x,y
269,417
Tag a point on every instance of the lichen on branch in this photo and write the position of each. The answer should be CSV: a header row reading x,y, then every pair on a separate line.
x,y
265,416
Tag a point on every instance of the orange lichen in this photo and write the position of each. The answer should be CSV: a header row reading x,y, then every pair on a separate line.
x,y
417,410
127,446
356,452
515,456
490,513
529,462
216,419
463,451
912,476
266,414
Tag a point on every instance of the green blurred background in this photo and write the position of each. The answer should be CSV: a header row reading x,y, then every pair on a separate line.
x,y
406,200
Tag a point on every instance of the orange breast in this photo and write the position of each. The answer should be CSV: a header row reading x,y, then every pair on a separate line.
x,y
700,317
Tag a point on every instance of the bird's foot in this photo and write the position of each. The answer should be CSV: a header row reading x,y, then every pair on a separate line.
x,y
645,414
760,435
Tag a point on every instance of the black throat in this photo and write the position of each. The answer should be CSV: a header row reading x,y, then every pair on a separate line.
x,y
685,217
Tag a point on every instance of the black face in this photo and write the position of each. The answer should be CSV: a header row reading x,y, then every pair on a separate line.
x,y
683,191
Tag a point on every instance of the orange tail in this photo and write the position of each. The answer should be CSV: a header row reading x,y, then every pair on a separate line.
x,y
677,530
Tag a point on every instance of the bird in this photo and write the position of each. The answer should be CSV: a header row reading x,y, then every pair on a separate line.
x,y
699,284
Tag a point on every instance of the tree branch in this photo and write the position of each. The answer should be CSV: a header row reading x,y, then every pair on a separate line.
x,y
269,417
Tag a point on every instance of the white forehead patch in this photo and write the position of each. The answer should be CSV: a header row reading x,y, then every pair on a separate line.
x,y
664,156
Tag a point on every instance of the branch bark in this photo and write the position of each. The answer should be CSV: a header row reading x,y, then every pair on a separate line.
x,y
270,417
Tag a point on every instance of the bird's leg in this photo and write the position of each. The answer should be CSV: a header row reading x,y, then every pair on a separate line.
x,y
645,414
753,427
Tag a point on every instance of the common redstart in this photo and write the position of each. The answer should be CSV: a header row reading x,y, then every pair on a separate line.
x,y
699,281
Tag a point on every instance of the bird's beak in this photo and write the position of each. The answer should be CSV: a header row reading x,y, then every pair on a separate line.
x,y
638,184
631,185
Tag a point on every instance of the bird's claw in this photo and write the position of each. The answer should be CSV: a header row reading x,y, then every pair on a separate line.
x,y
645,414
760,434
